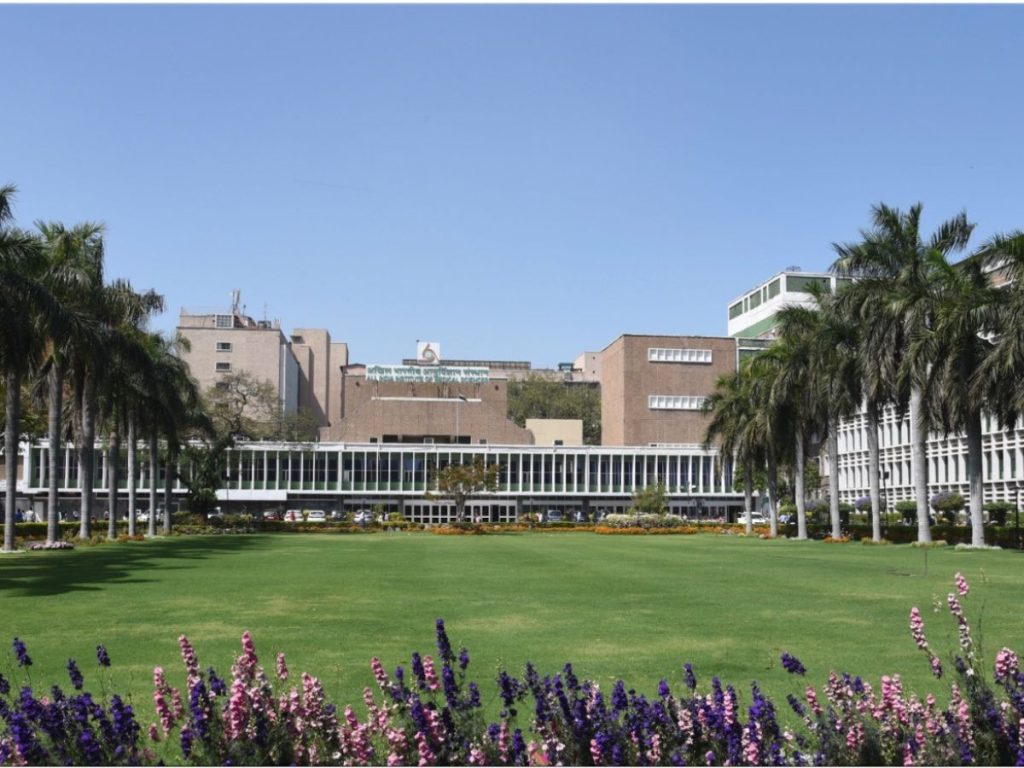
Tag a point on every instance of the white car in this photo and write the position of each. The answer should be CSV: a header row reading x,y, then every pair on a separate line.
x,y
316,516
756,518
363,517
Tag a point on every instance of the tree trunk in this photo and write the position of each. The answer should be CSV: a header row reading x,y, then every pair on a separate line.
x,y
798,487
975,478
748,493
873,472
113,463
833,476
131,475
13,415
153,470
168,481
86,457
56,403
919,454
773,492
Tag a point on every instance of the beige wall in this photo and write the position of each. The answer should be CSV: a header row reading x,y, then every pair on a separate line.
x,y
547,431
378,409
256,350
629,378
316,370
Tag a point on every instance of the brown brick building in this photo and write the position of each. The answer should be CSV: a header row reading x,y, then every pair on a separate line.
x,y
653,387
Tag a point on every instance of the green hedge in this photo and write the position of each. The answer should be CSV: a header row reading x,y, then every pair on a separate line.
x,y
1002,536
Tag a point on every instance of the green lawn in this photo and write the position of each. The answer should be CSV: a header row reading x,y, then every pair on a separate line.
x,y
616,606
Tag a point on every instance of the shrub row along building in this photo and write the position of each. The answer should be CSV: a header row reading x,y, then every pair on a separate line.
x,y
385,430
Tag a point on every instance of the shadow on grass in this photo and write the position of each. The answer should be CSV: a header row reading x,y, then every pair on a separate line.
x,y
89,568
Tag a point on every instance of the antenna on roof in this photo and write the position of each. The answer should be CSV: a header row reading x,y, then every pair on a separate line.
x,y
236,297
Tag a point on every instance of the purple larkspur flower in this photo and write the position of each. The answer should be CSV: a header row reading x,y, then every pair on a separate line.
x,y
663,689
77,681
691,680
217,686
619,700
21,653
5,687
418,671
102,657
792,664
444,647
474,695
463,659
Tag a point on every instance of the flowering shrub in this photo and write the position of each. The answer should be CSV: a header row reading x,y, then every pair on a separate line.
x,y
641,521
862,503
835,540
429,713
50,545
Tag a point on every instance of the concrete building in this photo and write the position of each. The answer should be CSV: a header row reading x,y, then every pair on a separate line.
x,y
423,404
301,369
653,387
752,315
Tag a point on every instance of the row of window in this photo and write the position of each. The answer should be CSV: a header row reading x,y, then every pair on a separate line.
x,y
665,355
675,402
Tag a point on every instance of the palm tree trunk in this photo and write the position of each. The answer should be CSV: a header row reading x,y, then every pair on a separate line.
x,y
975,478
132,451
86,457
919,454
13,414
153,469
748,492
833,475
168,479
113,463
56,403
798,487
773,492
874,472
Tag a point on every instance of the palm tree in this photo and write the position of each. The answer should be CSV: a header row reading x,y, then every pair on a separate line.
x,y
897,273
771,421
999,379
951,351
125,357
74,257
732,424
29,314
830,373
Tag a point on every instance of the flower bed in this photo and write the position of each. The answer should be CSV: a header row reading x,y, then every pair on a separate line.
x,y
431,713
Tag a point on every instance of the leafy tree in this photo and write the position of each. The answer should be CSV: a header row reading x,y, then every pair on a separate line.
x,y
246,408
459,482
538,398
650,500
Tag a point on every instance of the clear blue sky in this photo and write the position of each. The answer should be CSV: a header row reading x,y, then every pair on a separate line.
x,y
515,182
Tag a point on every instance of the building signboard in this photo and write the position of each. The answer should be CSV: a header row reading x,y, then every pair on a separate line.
x,y
428,353
439,374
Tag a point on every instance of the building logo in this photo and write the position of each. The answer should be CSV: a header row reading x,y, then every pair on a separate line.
x,y
428,353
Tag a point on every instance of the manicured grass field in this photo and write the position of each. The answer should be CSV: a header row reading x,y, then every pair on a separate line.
x,y
616,606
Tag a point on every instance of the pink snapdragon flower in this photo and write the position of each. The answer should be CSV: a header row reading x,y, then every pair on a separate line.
x,y
282,668
430,674
961,584
917,628
1007,664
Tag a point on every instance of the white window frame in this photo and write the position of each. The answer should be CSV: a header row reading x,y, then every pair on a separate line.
x,y
679,355
223,367
675,402
224,346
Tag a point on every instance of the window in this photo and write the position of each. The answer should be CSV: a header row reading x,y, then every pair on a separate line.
x,y
660,355
223,367
754,300
223,346
225,321
675,402
774,287
736,310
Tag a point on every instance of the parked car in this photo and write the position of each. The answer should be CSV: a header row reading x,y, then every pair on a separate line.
x,y
363,517
293,516
756,518
272,514
553,516
316,516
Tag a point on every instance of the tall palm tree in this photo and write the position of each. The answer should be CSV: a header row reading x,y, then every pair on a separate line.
x,y
772,421
29,314
899,268
829,375
124,313
951,351
999,379
732,424
74,259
